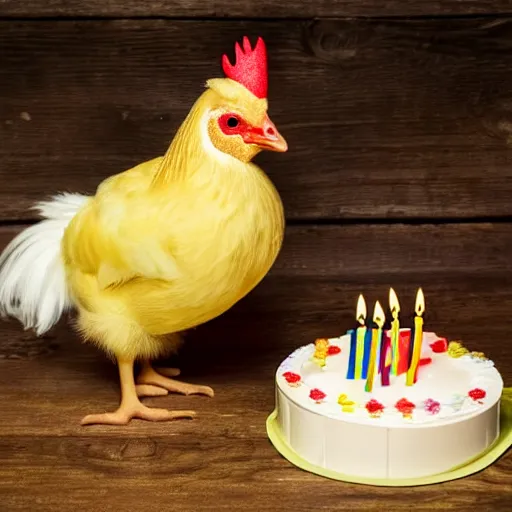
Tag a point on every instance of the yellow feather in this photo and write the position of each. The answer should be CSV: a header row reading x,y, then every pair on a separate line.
x,y
171,243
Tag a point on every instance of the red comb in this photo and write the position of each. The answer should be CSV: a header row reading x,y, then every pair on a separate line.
x,y
250,68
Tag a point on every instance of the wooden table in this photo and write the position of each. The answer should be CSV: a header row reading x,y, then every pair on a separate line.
x,y
398,115
222,460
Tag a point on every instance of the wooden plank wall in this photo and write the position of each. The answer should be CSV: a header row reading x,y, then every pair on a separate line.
x,y
399,121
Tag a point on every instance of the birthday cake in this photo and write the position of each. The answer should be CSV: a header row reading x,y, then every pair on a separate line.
x,y
389,403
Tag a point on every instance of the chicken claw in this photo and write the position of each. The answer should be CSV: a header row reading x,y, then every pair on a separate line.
x,y
125,413
145,390
149,379
131,406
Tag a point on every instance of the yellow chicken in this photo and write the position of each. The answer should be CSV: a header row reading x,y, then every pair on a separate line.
x,y
162,247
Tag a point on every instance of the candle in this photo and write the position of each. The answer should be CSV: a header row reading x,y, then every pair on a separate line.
x,y
388,361
366,355
418,338
357,342
404,343
394,306
361,331
378,318
385,359
352,355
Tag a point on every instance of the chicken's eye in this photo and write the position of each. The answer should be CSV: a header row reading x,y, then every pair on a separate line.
x,y
232,122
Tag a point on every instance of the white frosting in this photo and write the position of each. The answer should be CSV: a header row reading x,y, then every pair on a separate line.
x,y
446,380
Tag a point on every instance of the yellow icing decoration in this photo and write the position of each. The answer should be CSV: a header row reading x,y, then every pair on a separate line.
x,y
456,349
321,348
478,355
346,404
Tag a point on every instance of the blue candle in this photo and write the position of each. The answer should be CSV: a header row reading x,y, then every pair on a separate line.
x,y
367,348
352,355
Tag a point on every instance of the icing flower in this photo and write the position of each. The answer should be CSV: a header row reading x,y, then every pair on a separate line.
x,y
439,346
321,349
405,407
346,404
432,406
375,408
456,349
478,355
292,378
317,395
457,402
333,350
477,394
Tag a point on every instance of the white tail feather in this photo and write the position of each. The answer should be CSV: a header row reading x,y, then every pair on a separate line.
x,y
33,285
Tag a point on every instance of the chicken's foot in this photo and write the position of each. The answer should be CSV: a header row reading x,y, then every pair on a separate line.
x,y
131,406
157,382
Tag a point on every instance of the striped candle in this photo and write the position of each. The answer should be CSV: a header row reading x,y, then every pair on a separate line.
x,y
367,350
357,344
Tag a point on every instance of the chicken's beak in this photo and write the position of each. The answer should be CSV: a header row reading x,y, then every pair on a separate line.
x,y
267,137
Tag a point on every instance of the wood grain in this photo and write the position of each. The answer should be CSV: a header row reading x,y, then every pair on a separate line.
x,y
384,118
249,8
408,120
465,271
222,460
353,251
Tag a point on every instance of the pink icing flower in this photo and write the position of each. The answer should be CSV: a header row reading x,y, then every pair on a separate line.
x,y
317,395
432,406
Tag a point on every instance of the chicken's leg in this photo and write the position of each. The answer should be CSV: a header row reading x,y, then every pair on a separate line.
x,y
131,406
151,382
